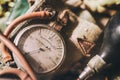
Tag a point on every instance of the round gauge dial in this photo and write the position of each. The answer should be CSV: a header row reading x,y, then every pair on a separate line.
x,y
42,46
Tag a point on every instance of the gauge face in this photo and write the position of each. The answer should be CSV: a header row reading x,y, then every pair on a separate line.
x,y
43,47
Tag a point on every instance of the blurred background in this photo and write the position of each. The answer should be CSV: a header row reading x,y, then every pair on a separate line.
x,y
100,12
5,8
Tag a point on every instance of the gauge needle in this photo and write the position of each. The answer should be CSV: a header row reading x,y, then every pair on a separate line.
x,y
48,42
36,51
41,43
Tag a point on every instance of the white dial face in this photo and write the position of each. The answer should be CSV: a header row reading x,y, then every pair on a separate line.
x,y
43,48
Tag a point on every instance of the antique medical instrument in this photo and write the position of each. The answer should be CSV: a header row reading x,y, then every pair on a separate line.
x,y
42,44
52,53
43,47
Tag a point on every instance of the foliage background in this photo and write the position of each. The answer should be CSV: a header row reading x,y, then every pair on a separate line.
x,y
5,7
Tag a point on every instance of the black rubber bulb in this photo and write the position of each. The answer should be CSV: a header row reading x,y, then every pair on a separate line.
x,y
109,51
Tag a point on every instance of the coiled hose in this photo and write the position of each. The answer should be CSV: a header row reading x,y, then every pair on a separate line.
x,y
5,54
22,75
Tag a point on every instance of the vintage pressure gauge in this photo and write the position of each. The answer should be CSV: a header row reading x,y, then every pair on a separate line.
x,y
42,46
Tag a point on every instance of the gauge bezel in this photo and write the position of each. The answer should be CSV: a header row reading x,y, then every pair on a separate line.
x,y
21,32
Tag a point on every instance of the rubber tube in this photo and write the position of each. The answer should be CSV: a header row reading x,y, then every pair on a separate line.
x,y
42,15
13,48
5,53
22,75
